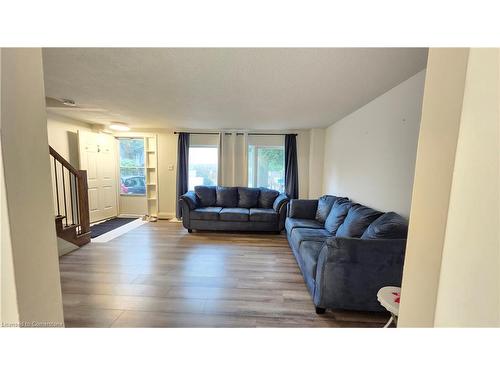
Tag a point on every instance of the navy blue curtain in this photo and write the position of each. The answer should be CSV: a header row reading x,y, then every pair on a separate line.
x,y
291,170
182,169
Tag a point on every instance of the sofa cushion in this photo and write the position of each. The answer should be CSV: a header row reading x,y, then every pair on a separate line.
x,y
191,200
309,254
227,196
234,214
389,225
267,197
325,204
337,215
292,223
308,234
206,195
357,220
248,197
263,214
205,213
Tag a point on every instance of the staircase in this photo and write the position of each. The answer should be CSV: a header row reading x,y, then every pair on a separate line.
x,y
72,217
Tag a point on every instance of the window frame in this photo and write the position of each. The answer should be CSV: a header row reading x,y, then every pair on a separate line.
x,y
144,168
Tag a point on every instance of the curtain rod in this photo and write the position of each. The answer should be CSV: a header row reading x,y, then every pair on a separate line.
x,y
194,133
270,133
229,133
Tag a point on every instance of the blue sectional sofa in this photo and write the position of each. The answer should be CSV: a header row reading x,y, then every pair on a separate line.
x,y
346,251
234,209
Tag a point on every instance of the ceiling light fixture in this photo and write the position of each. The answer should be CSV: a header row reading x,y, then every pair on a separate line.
x,y
119,127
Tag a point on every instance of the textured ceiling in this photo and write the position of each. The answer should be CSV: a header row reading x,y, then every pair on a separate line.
x,y
224,88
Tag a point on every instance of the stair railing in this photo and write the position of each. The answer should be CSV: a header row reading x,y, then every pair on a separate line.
x,y
70,193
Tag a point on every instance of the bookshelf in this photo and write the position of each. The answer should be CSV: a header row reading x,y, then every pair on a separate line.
x,y
151,143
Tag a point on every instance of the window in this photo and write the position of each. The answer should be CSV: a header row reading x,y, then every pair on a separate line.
x,y
132,172
202,166
266,167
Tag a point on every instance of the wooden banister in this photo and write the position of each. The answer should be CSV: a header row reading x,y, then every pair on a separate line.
x,y
75,213
63,161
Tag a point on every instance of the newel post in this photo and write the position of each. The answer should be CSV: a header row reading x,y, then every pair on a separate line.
x,y
83,201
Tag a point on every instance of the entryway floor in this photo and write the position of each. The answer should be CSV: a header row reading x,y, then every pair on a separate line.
x,y
159,275
108,225
125,225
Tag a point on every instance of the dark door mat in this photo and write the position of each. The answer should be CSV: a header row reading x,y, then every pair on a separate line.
x,y
108,225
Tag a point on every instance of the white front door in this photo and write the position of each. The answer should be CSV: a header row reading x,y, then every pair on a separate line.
x,y
98,158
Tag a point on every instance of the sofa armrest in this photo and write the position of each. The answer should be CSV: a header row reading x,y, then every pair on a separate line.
x,y
359,251
191,199
350,271
280,200
281,206
303,208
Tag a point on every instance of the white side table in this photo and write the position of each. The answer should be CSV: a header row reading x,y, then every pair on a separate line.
x,y
389,297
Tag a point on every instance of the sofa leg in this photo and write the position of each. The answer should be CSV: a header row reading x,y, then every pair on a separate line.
x,y
320,310
190,231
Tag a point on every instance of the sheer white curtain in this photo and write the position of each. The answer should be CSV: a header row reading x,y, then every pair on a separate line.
x,y
232,158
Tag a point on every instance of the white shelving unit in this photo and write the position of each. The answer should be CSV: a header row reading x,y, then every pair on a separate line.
x,y
151,143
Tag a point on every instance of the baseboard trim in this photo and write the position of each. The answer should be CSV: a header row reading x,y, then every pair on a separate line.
x,y
166,215
125,216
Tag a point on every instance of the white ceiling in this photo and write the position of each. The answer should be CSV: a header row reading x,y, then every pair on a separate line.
x,y
224,88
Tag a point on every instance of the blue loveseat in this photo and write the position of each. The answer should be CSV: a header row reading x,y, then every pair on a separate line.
x,y
234,209
346,251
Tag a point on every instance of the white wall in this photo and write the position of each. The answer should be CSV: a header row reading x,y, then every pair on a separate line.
x,y
62,133
28,192
370,154
316,162
303,162
167,169
63,136
9,313
132,205
441,112
469,281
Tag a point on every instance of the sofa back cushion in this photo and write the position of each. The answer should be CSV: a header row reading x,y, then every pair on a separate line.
x,y
325,204
206,195
227,196
358,218
248,197
337,215
390,225
267,197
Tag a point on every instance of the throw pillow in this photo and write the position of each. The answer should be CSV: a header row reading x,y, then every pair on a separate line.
x,y
325,204
227,196
389,225
337,215
206,195
267,197
248,197
357,220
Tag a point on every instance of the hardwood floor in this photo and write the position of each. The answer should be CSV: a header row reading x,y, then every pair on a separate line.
x,y
158,275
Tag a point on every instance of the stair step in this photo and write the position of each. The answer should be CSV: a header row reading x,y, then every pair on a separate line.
x,y
69,226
